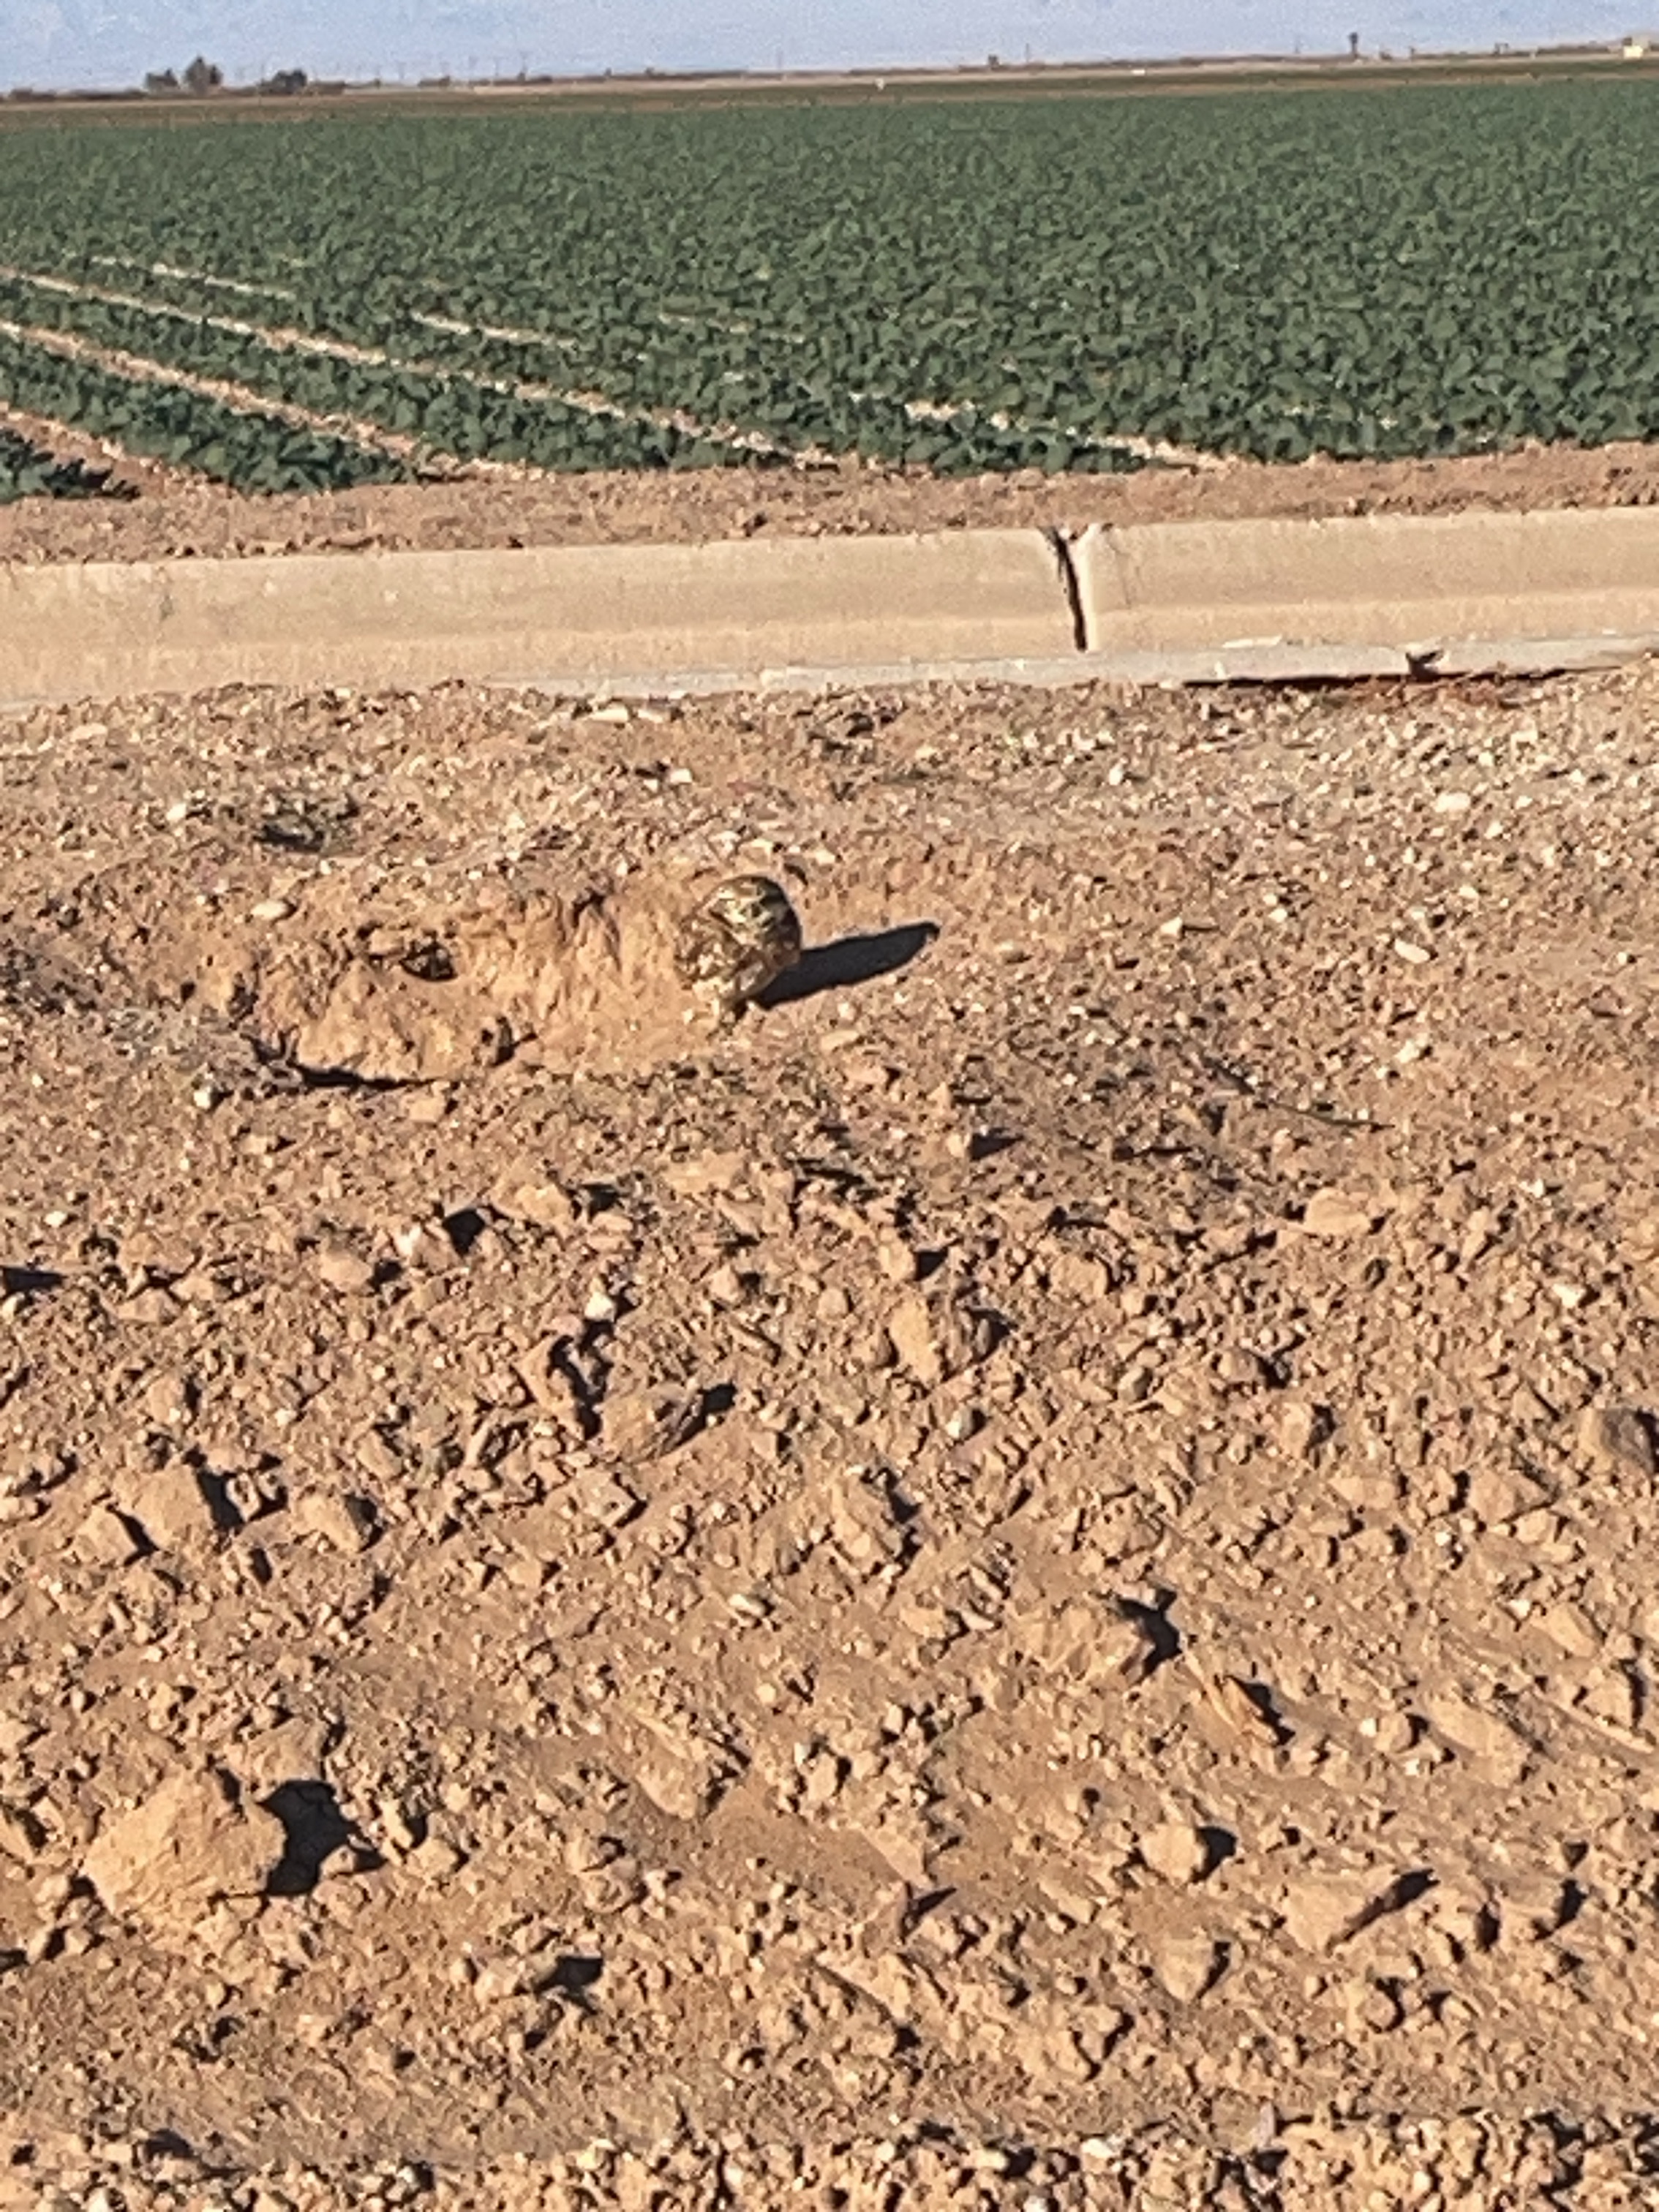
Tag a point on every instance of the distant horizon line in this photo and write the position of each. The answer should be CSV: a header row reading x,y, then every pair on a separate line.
x,y
993,66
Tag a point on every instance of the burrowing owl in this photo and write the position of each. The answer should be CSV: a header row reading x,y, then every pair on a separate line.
x,y
742,937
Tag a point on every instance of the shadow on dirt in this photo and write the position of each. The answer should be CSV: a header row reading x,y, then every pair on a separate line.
x,y
851,960
314,1828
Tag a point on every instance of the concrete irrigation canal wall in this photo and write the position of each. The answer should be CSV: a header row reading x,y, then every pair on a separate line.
x,y
1189,602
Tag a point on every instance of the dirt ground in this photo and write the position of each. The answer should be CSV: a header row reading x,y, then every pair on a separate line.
x,y
176,515
1027,1583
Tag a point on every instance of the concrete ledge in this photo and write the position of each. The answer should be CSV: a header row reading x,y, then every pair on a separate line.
x,y
575,615
1185,603
1408,583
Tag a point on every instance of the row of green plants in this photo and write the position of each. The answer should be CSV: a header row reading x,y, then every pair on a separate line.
x,y
254,453
27,469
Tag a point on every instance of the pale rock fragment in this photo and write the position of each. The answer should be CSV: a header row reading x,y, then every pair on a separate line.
x,y
1618,1438
933,1340
170,1505
1177,1850
23,1838
1337,1214
647,1425
1189,1964
1500,1494
344,1269
344,1519
105,1539
1480,1731
1322,1911
710,1174
1303,1428
190,1844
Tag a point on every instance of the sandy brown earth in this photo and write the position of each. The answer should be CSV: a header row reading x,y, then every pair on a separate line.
x,y
175,514
1028,1584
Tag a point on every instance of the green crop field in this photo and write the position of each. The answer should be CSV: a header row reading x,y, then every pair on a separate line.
x,y
1074,283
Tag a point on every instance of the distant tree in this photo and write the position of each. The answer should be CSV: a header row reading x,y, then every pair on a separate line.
x,y
286,82
1354,45
202,78
161,80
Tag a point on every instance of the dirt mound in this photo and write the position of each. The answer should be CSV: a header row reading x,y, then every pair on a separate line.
x,y
1026,1583
426,992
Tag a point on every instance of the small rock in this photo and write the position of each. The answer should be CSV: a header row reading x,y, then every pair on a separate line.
x,y
1177,1850
1370,2007
292,1748
21,1836
897,1260
343,1518
271,910
1611,1695
1617,1437
646,1424
1500,1494
1480,1731
171,1507
933,1342
1531,1906
175,1856
344,1270
1075,1275
1187,1965
1302,1427
1100,1644
104,1539
682,1772
608,1503
1480,1233
169,1401
498,1980
1246,1707
1323,1911
713,1173
1570,1629
1336,1213
537,1200
436,1858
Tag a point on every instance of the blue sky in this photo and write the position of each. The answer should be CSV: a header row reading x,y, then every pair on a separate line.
x,y
112,42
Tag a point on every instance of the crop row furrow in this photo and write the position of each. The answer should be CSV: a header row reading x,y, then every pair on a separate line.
x,y
215,430
444,414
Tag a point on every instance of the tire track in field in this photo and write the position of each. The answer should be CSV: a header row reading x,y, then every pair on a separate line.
x,y
192,277
1158,451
